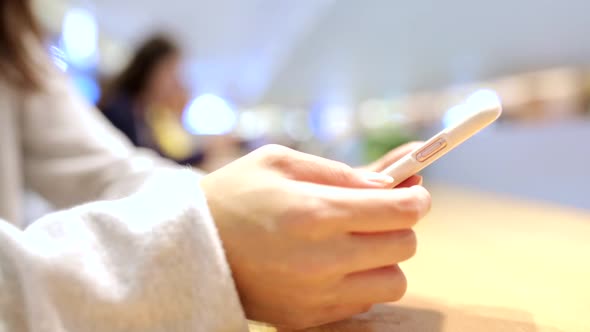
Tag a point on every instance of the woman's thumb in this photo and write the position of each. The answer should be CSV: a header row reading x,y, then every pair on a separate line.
x,y
309,168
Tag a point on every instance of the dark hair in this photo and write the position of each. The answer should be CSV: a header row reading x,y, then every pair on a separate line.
x,y
17,25
133,79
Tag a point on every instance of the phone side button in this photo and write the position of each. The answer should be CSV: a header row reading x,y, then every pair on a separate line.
x,y
431,149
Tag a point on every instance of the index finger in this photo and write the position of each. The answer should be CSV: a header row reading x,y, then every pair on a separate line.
x,y
374,210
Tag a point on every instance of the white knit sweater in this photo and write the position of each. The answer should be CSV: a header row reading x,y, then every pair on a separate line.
x,y
145,258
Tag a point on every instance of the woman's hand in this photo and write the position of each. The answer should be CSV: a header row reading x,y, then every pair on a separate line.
x,y
310,240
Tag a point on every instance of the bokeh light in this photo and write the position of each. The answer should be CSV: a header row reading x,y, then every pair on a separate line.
x,y
88,87
482,99
59,58
209,114
455,114
80,37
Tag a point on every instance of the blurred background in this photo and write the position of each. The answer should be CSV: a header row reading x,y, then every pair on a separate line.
x,y
350,80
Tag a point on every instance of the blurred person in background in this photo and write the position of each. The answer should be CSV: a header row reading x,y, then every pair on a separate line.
x,y
145,245
145,101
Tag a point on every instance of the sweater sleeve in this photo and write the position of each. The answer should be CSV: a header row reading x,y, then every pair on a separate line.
x,y
72,154
151,261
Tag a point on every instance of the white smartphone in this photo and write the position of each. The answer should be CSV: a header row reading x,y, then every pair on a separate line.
x,y
480,116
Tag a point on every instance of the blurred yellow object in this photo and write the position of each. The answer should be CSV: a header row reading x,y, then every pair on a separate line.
x,y
173,140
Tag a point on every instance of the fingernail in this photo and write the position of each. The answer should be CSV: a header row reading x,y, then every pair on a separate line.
x,y
379,178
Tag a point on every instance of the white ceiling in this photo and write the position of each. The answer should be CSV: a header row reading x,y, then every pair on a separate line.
x,y
308,51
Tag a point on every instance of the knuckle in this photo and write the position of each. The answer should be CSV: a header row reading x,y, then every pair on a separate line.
x,y
397,247
341,169
340,174
275,155
400,285
409,244
409,210
392,286
402,245
415,205
274,149
424,198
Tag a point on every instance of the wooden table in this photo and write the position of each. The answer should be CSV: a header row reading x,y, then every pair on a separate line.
x,y
489,263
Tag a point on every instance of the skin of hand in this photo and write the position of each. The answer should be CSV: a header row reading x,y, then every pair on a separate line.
x,y
309,240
